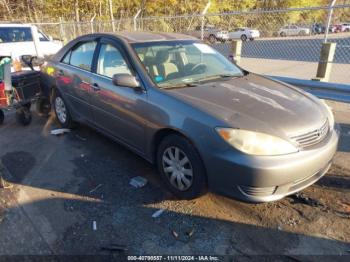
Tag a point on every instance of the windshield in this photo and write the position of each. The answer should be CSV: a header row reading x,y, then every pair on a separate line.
x,y
181,63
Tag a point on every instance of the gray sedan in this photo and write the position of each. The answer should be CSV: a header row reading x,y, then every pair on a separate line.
x,y
204,122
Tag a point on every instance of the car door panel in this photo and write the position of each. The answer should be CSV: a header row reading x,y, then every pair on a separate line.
x,y
117,109
74,82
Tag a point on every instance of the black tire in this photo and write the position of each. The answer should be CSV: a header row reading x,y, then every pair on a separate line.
x,y
212,39
283,34
23,115
244,38
251,39
2,117
198,180
67,122
43,106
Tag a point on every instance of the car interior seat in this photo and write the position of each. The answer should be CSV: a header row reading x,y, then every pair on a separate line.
x,y
164,66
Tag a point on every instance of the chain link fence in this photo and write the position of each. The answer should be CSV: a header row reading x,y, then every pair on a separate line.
x,y
284,42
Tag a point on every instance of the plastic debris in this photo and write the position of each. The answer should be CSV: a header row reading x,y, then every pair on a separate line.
x,y
279,227
174,233
190,233
82,155
60,131
94,225
115,247
94,189
80,137
158,213
138,181
303,199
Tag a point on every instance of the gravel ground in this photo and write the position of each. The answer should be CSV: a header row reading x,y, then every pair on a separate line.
x,y
61,185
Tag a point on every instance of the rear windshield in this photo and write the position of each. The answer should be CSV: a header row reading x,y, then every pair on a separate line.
x,y
15,34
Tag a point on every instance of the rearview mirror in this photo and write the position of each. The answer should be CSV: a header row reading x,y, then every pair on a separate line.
x,y
125,80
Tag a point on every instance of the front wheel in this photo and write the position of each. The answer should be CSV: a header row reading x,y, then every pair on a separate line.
x,y
181,167
61,111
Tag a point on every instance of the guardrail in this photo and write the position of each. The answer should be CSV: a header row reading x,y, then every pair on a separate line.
x,y
324,90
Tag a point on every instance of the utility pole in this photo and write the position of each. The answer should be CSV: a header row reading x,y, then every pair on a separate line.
x,y
111,14
329,18
203,17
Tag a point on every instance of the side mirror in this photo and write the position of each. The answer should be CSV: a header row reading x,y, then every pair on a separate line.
x,y
125,80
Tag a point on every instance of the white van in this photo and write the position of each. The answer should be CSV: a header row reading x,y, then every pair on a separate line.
x,y
25,39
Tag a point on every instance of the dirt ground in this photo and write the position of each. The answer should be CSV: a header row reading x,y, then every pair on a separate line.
x,y
61,185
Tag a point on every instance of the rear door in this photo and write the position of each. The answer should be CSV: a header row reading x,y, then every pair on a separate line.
x,y
74,78
117,109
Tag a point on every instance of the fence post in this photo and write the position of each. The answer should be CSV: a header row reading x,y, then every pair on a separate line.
x,y
325,63
135,19
329,18
62,35
236,49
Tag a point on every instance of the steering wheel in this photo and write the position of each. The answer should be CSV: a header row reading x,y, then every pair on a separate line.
x,y
199,68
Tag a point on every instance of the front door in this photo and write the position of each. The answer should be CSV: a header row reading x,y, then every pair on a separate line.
x,y
117,109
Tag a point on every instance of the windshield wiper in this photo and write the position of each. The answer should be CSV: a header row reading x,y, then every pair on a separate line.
x,y
179,85
217,76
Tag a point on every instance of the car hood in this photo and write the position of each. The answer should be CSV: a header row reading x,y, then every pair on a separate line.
x,y
256,103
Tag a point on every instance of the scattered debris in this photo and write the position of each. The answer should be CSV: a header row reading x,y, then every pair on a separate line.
x,y
80,137
158,213
115,247
190,233
303,199
82,155
94,225
94,189
175,234
138,181
279,227
60,131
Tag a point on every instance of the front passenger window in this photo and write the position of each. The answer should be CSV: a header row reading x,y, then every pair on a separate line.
x,y
111,62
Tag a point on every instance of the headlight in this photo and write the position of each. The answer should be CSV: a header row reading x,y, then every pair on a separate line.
x,y
255,143
330,114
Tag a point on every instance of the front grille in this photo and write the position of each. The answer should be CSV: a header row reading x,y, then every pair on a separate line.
x,y
313,137
257,191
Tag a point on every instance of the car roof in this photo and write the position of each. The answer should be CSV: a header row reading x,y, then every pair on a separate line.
x,y
14,25
141,37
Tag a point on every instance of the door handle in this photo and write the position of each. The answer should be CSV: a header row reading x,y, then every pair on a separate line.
x,y
95,87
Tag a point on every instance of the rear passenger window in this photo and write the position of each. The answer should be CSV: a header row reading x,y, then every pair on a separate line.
x,y
82,56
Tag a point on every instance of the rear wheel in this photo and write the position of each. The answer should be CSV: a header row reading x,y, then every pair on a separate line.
x,y
2,117
283,34
243,38
181,167
62,114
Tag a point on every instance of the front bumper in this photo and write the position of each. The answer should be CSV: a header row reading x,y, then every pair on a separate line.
x,y
268,178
